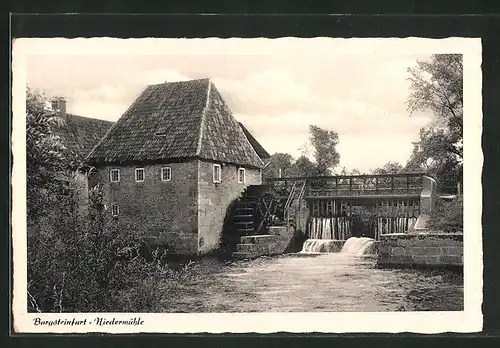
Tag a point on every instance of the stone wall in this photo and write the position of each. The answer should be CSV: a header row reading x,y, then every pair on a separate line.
x,y
278,241
166,211
429,249
187,213
214,200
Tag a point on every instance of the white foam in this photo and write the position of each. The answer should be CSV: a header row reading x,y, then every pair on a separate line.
x,y
359,246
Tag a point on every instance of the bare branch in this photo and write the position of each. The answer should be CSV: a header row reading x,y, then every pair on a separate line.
x,y
33,302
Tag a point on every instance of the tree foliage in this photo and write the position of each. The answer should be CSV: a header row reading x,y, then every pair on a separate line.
x,y
279,161
389,168
437,86
325,152
431,155
303,166
447,216
47,161
326,157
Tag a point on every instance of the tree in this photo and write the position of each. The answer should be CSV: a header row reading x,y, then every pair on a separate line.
x,y
278,161
430,155
437,86
325,152
47,161
389,168
303,167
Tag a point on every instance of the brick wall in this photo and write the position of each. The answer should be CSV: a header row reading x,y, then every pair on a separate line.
x,y
213,201
166,210
434,249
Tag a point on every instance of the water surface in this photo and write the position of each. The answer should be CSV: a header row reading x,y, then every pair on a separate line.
x,y
316,283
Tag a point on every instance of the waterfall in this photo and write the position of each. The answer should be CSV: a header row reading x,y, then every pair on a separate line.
x,y
353,246
321,246
359,246
337,228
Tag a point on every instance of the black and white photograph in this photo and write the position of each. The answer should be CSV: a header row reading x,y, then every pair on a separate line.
x,y
247,185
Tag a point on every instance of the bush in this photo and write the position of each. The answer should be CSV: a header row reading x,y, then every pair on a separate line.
x,y
74,265
139,286
447,216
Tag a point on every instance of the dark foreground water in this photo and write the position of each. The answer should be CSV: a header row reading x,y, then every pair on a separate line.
x,y
316,283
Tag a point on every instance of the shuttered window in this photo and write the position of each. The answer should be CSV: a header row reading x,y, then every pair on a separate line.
x,y
139,174
114,175
166,174
216,173
241,175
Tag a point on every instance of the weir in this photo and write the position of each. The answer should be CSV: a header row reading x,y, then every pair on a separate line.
x,y
358,246
337,208
340,207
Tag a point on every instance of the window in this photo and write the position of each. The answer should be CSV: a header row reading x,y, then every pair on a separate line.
x,y
241,175
166,174
114,175
115,210
139,174
217,173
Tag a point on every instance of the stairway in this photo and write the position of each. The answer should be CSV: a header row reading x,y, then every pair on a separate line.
x,y
255,246
246,216
250,236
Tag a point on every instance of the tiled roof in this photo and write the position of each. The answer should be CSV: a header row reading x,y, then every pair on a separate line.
x,y
177,120
81,134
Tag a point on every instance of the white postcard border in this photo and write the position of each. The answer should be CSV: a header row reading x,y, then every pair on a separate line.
x,y
469,320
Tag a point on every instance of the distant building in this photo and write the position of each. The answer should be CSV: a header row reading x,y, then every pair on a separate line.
x,y
78,134
173,163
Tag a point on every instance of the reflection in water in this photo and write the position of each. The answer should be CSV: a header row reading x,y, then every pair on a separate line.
x,y
317,282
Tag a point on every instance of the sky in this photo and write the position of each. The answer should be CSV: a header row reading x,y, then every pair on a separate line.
x,y
277,90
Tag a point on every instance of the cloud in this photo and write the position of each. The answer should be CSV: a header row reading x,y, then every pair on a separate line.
x,y
264,91
277,96
103,110
151,77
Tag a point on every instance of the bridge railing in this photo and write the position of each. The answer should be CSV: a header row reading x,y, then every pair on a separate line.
x,y
354,185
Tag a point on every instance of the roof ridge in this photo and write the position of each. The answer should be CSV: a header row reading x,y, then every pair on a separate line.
x,y
249,143
91,119
185,81
86,117
257,146
203,117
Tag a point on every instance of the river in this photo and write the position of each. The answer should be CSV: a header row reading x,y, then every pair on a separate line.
x,y
312,282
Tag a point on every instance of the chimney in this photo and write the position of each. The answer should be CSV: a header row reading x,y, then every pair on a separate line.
x,y
59,107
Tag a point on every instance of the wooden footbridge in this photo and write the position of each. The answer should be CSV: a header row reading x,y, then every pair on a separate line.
x,y
336,207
